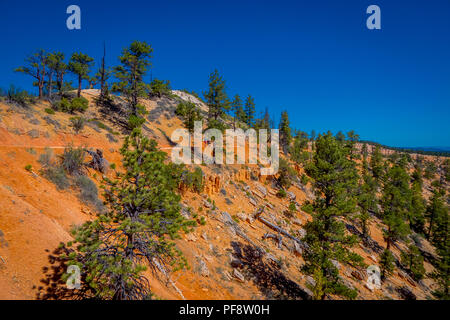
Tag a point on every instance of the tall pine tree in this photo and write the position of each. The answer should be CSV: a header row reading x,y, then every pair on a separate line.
x,y
335,180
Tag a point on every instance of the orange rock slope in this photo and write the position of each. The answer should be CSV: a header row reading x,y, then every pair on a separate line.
x,y
35,216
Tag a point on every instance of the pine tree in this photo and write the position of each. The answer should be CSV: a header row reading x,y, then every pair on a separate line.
x,y
216,96
249,110
35,67
335,180
418,203
376,164
190,113
387,265
237,110
298,146
441,273
134,234
396,202
413,261
340,137
135,61
79,65
353,138
285,132
367,202
437,216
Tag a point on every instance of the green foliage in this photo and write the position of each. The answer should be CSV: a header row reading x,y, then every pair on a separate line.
x,y
79,65
49,111
135,232
79,104
88,192
335,182
285,132
135,61
57,67
29,167
57,176
77,123
418,207
35,67
238,110
72,160
367,201
216,124
285,174
249,110
413,260
376,163
292,207
19,97
281,193
216,97
193,180
304,179
298,154
353,138
430,170
437,216
159,88
135,121
189,112
387,265
396,203
441,273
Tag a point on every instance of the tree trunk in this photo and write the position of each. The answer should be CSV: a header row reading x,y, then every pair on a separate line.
x,y
50,83
79,86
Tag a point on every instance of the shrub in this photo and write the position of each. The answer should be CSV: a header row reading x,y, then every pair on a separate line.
x,y
19,97
57,176
194,180
202,221
304,179
292,207
281,193
71,106
77,123
79,104
135,122
159,88
49,111
308,207
29,167
72,160
45,159
62,105
88,192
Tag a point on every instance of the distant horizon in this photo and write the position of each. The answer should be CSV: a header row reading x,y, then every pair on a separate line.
x,y
316,60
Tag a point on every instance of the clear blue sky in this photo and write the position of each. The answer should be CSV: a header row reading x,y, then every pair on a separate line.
x,y
315,59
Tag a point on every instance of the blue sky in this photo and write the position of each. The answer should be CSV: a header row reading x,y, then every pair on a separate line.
x,y
315,59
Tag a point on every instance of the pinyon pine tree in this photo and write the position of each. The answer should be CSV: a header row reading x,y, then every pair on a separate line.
x,y
135,61
143,214
335,180
216,97
79,65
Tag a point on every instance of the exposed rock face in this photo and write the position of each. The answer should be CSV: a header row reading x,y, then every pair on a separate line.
x,y
204,271
261,189
239,276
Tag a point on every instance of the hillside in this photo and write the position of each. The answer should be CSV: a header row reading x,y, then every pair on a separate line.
x,y
229,256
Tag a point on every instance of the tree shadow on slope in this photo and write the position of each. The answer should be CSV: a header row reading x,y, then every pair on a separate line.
x,y
53,287
267,276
